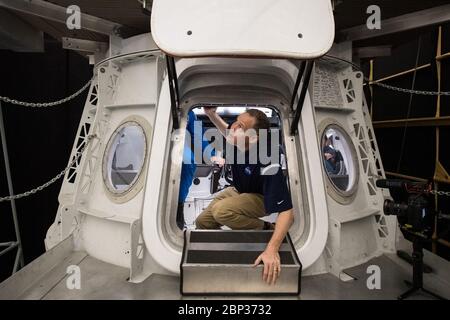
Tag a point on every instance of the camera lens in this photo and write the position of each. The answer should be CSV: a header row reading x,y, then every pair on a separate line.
x,y
394,209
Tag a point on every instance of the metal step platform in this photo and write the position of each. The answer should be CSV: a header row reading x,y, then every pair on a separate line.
x,y
46,278
220,262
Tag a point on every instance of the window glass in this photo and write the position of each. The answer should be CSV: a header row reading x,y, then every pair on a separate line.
x,y
338,159
125,157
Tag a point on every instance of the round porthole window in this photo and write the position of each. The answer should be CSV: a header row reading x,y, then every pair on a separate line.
x,y
340,162
124,158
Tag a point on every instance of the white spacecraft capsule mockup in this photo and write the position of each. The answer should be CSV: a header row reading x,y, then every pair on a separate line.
x,y
119,201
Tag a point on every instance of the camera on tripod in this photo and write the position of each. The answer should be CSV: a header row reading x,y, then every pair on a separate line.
x,y
415,217
410,205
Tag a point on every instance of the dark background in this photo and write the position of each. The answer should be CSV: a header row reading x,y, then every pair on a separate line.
x,y
40,141
417,157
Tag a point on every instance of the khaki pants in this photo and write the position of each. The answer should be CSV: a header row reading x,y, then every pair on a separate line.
x,y
238,211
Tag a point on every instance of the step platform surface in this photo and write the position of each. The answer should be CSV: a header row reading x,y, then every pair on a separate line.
x,y
220,262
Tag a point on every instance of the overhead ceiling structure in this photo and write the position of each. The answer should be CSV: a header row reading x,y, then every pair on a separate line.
x,y
23,22
98,19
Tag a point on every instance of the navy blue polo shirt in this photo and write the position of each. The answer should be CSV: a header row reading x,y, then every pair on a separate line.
x,y
265,179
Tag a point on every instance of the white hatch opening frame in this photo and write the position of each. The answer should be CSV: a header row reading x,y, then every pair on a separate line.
x,y
278,30
293,29
197,77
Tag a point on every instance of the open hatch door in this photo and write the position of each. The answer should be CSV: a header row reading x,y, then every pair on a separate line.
x,y
296,29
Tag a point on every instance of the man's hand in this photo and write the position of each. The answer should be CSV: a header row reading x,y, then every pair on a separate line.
x,y
270,257
218,160
328,156
209,111
220,124
272,265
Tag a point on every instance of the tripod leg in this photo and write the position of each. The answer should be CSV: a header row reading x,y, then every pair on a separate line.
x,y
408,283
407,294
406,257
433,294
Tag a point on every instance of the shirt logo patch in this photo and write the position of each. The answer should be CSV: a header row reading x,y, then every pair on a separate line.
x,y
278,203
248,171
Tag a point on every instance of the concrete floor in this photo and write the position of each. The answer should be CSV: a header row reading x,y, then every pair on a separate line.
x,y
100,280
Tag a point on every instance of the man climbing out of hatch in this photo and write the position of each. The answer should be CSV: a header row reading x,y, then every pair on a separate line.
x,y
258,189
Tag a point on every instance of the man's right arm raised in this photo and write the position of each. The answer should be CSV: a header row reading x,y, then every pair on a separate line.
x,y
220,124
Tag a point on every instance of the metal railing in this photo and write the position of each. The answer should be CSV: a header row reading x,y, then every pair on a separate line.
x,y
19,261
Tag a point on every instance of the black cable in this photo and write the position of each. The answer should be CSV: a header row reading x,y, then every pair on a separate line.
x,y
344,60
405,129
365,79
